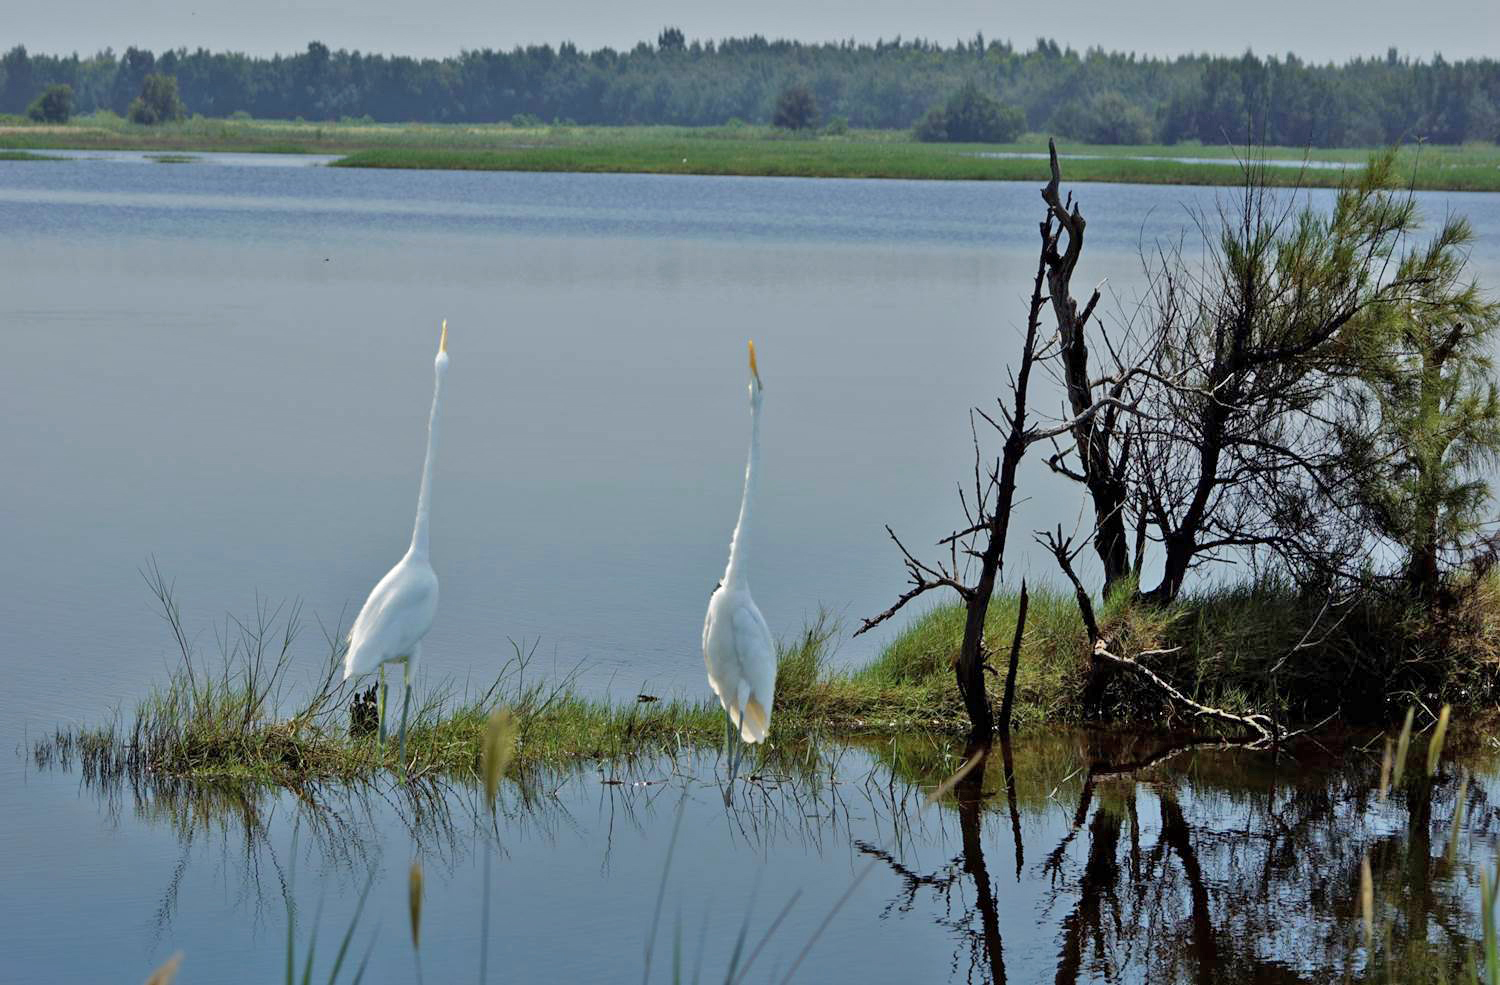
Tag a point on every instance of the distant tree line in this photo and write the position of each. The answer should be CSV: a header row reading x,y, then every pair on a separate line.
x,y
1094,96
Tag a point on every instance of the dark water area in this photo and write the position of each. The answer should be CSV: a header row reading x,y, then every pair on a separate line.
x,y
227,367
1066,856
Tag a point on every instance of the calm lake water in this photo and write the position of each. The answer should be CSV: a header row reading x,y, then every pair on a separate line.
x,y
228,367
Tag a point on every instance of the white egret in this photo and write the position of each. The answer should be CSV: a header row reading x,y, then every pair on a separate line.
x,y
399,612
737,644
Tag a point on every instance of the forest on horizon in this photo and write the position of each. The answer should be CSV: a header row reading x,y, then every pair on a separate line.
x,y
1092,96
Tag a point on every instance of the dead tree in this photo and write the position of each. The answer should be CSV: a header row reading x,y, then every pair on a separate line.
x,y
988,516
987,507
1102,457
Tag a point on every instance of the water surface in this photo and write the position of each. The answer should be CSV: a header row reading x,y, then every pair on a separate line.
x,y
228,368
1070,857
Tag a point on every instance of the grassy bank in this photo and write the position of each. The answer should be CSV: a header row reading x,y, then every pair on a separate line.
x,y
1364,662
732,150
853,158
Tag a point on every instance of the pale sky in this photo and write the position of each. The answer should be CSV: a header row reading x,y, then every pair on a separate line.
x,y
1317,30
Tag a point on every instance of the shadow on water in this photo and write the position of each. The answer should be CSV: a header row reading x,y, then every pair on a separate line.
x,y
1097,856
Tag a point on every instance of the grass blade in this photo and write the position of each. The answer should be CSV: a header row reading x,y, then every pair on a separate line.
x,y
661,892
484,920
807,948
312,944
739,942
1435,746
359,909
767,936
291,909
364,962
1402,745
1460,808
1487,886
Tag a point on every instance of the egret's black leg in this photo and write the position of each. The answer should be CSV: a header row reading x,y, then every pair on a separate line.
x,y
381,714
405,705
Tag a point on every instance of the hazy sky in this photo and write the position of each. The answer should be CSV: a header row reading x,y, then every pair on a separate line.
x,y
1318,30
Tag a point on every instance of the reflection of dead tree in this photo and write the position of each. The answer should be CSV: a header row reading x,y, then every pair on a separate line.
x,y
1099,770
1010,799
912,882
1174,832
1100,874
986,949
969,794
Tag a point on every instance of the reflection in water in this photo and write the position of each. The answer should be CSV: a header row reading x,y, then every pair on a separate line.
x,y
1246,868
1155,859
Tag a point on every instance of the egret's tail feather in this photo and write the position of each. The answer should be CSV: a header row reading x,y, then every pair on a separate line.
x,y
730,703
754,723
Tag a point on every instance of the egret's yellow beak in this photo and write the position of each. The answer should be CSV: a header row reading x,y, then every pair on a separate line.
x,y
754,372
443,341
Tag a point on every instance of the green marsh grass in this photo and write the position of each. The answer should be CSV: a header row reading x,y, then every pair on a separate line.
x,y
736,150
853,158
240,715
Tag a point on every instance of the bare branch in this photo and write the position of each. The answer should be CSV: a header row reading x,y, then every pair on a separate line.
x,y
1260,724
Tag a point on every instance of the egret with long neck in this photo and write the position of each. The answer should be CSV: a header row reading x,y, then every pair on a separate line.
x,y
737,645
400,609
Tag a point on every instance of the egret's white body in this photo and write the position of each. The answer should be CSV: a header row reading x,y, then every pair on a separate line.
x,y
737,645
400,610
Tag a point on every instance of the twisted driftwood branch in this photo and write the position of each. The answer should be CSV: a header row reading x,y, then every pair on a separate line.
x,y
1262,725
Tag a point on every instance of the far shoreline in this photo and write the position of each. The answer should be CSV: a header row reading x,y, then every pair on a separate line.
x,y
745,151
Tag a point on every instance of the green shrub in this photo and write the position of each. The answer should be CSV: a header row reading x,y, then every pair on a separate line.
x,y
158,101
796,108
971,116
55,105
1105,118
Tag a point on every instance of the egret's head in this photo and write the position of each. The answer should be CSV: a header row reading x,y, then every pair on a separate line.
x,y
755,385
442,354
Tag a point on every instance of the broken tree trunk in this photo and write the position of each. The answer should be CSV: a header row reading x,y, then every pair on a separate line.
x,y
1008,701
1093,433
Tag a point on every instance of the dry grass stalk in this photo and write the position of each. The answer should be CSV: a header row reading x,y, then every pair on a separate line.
x,y
414,899
499,747
1367,901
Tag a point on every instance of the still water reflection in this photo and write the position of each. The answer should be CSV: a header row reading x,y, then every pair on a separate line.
x,y
1066,856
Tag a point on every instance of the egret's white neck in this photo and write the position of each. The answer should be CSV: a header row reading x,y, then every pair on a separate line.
x,y
424,498
735,573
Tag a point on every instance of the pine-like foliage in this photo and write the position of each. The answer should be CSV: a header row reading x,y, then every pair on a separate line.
x,y
1424,429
